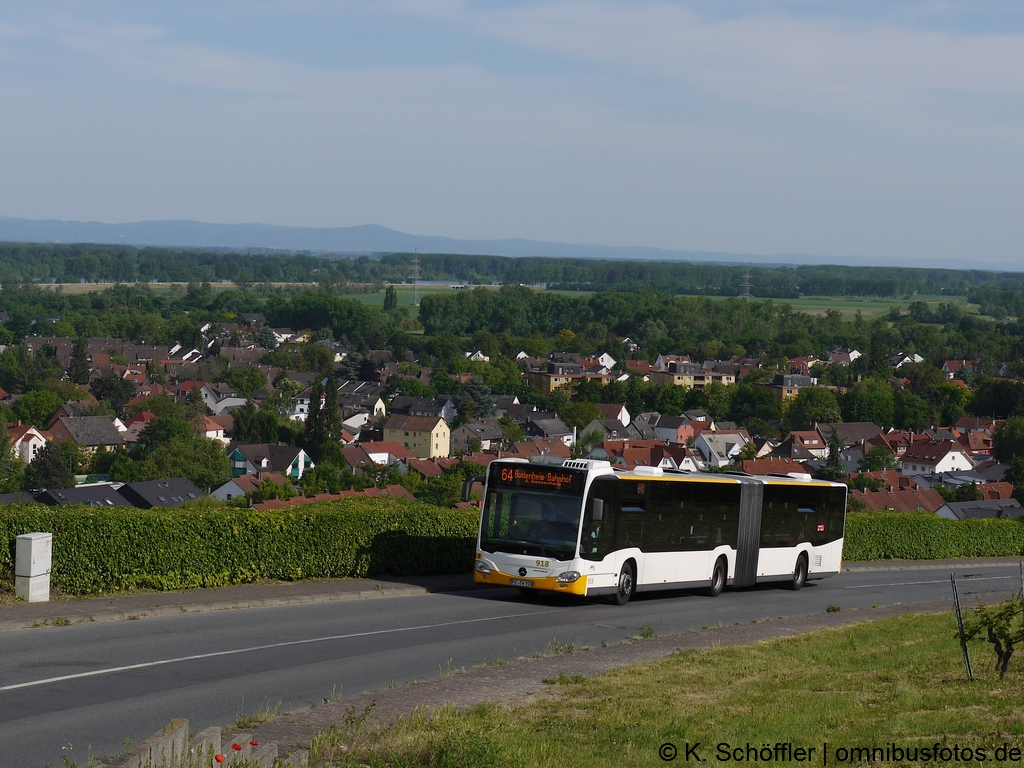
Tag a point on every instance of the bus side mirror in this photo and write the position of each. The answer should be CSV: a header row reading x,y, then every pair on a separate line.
x,y
467,486
597,510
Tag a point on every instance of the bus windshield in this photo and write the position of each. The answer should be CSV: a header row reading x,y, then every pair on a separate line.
x,y
519,521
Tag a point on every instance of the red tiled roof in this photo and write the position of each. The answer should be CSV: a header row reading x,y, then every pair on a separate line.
x,y
902,500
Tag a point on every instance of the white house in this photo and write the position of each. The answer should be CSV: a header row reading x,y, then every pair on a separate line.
x,y
935,458
26,440
606,360
719,449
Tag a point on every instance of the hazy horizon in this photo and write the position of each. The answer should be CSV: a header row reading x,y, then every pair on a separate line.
x,y
851,132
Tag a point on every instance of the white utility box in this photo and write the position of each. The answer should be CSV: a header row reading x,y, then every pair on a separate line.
x,y
34,554
33,560
33,589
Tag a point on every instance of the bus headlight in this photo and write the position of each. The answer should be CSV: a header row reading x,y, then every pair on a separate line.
x,y
568,577
481,566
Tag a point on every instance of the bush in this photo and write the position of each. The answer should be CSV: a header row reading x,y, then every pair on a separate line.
x,y
925,536
99,550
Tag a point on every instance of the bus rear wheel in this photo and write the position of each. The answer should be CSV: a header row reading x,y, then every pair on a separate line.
x,y
799,573
627,584
717,578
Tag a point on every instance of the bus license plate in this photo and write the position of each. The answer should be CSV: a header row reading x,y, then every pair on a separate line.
x,y
520,583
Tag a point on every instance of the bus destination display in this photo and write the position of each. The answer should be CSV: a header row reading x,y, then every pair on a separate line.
x,y
541,478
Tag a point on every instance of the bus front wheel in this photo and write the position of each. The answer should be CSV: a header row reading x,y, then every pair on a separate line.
x,y
717,578
627,584
799,573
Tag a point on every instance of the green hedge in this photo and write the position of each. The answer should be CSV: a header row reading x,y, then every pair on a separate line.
x,y
103,550
100,550
925,536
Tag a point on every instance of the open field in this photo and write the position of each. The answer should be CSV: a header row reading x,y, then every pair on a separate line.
x,y
815,305
893,681
77,289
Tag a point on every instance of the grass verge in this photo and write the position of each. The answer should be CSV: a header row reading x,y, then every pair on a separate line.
x,y
898,680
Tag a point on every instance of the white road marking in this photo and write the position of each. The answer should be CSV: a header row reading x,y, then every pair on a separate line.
x,y
161,662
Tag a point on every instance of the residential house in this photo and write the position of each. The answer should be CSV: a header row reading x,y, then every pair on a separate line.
x,y
812,442
426,436
212,428
549,427
843,356
935,458
93,495
912,499
364,396
719,450
264,458
849,432
786,386
677,430
612,429
953,367
1003,509
664,361
87,432
898,359
540,448
387,452
678,374
442,406
487,431
26,441
220,398
613,411
160,493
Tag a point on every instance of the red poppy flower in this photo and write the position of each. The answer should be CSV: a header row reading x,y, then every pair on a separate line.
x,y
219,758
254,743
237,747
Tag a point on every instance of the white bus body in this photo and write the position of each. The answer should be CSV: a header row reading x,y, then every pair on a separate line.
x,y
586,528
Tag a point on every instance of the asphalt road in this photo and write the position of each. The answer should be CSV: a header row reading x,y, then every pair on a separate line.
x,y
94,686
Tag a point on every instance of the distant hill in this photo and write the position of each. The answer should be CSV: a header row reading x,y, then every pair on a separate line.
x,y
371,238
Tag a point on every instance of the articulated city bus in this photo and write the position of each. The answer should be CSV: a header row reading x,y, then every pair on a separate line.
x,y
587,528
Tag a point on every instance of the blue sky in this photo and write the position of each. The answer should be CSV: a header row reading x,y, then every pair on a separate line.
x,y
836,128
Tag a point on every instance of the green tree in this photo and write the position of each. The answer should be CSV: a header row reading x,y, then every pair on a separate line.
x,y
254,425
833,469
870,400
877,458
812,405
1008,440
12,469
51,468
79,369
246,380
911,411
202,461
579,414
268,490
752,402
36,407
114,390
511,432
265,338
390,299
